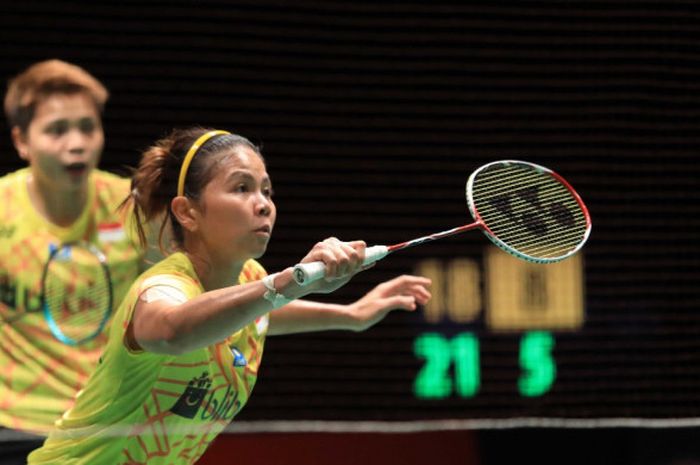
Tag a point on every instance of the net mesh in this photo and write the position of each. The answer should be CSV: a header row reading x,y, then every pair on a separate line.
x,y
529,211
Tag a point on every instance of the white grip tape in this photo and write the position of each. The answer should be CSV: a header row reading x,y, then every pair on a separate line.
x,y
306,273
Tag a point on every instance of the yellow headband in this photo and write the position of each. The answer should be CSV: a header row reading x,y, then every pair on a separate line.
x,y
190,155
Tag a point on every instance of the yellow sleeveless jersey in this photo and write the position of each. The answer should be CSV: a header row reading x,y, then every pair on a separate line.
x,y
147,408
40,375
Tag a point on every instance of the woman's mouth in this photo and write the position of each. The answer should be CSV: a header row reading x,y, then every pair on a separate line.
x,y
263,230
77,169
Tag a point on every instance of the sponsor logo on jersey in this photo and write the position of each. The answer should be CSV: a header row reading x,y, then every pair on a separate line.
x,y
7,232
199,400
189,402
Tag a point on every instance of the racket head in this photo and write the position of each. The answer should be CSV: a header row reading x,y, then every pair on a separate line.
x,y
76,292
528,210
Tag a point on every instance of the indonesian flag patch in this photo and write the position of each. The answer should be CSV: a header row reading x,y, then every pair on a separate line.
x,y
110,232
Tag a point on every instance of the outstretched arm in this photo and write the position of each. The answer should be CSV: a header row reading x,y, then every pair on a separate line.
x,y
401,293
172,326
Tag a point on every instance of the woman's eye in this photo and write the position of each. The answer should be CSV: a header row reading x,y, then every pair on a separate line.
x,y
241,188
87,126
57,129
268,192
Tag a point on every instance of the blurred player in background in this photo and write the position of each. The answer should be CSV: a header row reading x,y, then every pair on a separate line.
x,y
54,112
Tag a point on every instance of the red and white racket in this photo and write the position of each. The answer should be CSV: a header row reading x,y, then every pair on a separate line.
x,y
525,209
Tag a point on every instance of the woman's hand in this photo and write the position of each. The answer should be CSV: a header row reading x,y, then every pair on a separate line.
x,y
343,260
403,293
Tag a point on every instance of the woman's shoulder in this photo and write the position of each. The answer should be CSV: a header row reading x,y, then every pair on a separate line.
x,y
175,270
11,179
15,206
110,179
252,271
110,187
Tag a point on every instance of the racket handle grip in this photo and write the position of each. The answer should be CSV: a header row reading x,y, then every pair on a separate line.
x,y
306,273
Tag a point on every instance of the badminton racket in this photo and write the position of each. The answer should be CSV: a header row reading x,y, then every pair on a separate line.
x,y
76,292
525,209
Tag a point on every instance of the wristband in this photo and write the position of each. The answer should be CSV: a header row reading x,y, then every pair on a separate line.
x,y
271,294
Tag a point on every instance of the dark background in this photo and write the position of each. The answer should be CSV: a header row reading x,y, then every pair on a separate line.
x,y
371,116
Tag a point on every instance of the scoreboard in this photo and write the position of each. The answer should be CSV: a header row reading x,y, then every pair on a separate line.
x,y
520,297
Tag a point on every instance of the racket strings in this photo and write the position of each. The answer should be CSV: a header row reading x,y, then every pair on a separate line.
x,y
529,210
77,293
545,239
558,241
560,234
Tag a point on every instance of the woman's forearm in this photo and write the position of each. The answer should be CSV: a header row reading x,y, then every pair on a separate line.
x,y
301,316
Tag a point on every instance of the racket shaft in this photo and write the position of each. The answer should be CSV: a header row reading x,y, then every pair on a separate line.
x,y
434,237
306,273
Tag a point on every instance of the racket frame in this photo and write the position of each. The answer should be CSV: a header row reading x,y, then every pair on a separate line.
x,y
50,320
502,245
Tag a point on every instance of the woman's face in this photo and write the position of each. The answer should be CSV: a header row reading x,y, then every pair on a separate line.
x,y
63,142
237,213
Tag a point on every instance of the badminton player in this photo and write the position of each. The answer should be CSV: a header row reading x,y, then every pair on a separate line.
x,y
186,343
54,111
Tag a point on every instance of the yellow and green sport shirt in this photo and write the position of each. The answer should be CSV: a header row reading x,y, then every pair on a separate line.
x,y
145,408
40,375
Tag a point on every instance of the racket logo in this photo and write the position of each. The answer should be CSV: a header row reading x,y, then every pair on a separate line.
x,y
533,216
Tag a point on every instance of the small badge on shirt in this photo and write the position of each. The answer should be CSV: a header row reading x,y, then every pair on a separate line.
x,y
261,324
238,358
60,255
110,232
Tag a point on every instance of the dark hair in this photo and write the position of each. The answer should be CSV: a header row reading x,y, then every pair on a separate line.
x,y
154,183
44,79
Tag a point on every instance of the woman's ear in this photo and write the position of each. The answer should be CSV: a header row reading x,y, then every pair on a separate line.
x,y
185,213
20,143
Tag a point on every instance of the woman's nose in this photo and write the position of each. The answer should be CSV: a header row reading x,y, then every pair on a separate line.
x,y
264,207
77,141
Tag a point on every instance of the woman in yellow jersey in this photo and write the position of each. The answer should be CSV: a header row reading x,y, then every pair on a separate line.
x,y
54,111
186,343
